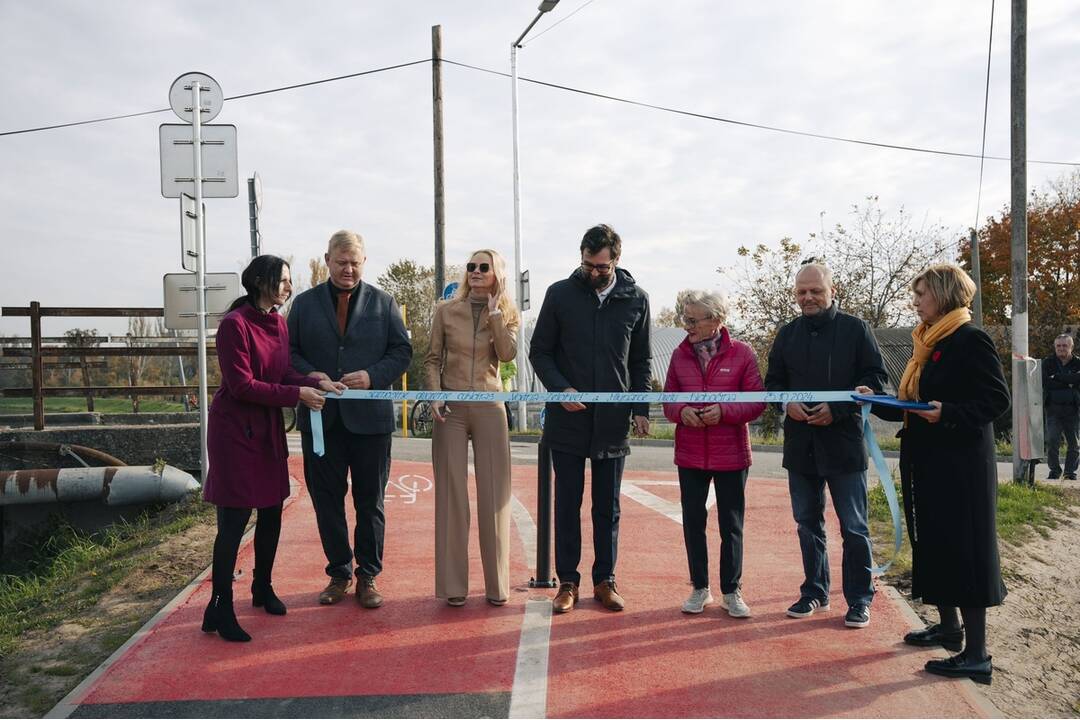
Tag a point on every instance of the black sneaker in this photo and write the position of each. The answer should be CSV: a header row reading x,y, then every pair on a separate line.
x,y
1054,475
858,616
807,607
1070,476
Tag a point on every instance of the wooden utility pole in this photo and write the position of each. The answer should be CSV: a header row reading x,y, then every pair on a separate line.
x,y
1018,125
976,272
437,116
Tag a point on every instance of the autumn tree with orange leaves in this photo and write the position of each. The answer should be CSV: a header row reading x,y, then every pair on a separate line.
x,y
1053,263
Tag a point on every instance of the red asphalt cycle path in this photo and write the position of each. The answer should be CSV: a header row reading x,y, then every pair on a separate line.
x,y
647,661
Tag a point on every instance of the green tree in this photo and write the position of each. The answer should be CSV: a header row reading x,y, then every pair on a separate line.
x,y
412,285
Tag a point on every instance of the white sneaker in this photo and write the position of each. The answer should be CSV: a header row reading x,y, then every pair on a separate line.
x,y
734,604
699,598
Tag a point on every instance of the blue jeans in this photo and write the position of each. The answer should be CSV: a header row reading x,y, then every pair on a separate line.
x,y
848,493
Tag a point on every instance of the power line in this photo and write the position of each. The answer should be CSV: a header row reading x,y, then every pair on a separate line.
x,y
555,25
579,91
283,88
986,107
758,126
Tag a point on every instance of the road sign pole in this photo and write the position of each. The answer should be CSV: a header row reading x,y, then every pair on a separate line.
x,y
200,273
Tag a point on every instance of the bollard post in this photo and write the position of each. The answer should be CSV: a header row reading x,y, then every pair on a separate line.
x,y
543,576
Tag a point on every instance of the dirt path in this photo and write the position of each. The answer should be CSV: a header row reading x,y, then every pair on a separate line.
x,y
1035,636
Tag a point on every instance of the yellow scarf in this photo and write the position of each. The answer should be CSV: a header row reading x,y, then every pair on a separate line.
x,y
924,337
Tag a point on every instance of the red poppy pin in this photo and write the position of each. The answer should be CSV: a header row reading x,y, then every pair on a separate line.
x,y
936,356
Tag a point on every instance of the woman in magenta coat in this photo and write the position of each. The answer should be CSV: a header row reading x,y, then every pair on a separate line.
x,y
248,453
712,442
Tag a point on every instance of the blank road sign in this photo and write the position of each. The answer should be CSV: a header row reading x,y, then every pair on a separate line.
x,y
221,290
219,165
189,251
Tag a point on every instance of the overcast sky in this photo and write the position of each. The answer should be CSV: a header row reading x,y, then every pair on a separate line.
x,y
84,222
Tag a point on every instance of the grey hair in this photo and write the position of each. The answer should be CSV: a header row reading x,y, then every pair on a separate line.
x,y
714,302
1064,336
825,270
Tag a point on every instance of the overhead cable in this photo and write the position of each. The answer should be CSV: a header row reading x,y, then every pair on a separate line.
x,y
758,126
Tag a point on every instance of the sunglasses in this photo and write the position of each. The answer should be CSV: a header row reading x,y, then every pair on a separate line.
x,y
473,267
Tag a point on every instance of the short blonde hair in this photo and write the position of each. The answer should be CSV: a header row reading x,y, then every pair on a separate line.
x,y
714,302
343,239
949,285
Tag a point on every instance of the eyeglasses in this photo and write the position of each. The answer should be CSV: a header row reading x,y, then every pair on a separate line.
x,y
692,322
472,267
602,269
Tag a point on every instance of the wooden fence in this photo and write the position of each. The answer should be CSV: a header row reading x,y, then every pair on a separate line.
x,y
41,348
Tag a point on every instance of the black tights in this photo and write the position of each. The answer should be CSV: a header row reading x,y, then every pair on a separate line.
x,y
231,523
974,628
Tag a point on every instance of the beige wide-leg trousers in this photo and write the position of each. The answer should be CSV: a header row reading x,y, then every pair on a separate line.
x,y
485,423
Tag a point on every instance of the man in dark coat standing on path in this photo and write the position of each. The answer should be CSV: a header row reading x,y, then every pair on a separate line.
x,y
348,330
825,349
1061,403
592,335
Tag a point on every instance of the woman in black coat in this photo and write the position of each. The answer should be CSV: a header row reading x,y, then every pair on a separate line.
x,y
948,470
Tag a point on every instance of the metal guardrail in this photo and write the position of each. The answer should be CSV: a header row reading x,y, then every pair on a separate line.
x,y
38,351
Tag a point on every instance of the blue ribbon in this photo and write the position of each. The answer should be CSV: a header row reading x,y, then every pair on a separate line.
x,y
803,396
885,478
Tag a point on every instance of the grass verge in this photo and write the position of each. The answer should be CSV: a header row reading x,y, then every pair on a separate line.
x,y
70,597
107,405
71,569
1022,512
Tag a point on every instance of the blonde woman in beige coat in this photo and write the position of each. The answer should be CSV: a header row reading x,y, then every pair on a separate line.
x,y
470,335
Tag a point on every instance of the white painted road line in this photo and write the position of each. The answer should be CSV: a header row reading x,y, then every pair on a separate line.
x,y
667,508
528,696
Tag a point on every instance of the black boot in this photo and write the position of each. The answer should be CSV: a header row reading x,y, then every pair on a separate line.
x,y
220,617
262,595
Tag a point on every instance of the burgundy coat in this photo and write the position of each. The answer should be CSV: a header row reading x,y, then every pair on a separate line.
x,y
246,435
725,446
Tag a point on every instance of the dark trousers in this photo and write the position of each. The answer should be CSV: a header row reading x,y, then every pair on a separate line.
x,y
606,483
848,491
1058,424
231,523
367,458
730,509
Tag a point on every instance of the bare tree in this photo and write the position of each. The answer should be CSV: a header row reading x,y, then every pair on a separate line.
x,y
876,259
83,339
139,328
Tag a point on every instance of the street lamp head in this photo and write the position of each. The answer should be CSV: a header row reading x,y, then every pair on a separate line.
x,y
547,5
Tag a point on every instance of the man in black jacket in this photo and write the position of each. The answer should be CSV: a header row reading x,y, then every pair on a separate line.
x,y
1061,403
825,349
592,335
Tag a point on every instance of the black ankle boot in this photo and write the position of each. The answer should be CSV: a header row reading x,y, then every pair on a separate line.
x,y
262,595
220,617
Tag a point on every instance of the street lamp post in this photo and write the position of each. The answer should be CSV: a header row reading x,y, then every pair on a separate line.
x,y
545,7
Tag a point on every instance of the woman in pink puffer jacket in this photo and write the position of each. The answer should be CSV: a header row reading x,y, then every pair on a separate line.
x,y
712,442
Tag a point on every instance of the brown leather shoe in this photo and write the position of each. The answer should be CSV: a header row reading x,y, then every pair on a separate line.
x,y
607,594
335,591
566,598
366,594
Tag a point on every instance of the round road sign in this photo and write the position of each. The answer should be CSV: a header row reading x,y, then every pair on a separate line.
x,y
211,96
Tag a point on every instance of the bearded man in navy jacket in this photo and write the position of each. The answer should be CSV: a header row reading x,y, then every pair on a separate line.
x,y
592,335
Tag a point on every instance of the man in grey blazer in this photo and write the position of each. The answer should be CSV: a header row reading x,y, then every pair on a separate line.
x,y
351,331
